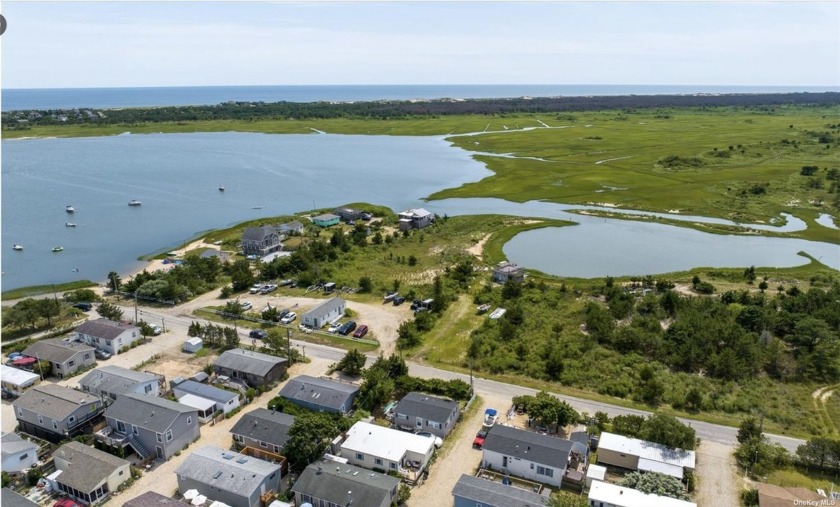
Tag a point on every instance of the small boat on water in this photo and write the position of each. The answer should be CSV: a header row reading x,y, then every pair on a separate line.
x,y
257,207
17,247
134,202
58,248
69,224
69,209
221,188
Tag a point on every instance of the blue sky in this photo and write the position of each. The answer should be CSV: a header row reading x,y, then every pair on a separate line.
x,y
104,44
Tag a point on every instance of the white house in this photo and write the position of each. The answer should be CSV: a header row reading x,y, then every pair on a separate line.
x,y
604,494
415,219
17,381
328,311
221,399
18,454
635,454
375,447
108,335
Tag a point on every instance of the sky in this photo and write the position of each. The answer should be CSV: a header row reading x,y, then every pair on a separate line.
x,y
124,44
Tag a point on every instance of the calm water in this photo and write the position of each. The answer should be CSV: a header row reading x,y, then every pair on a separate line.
x,y
63,98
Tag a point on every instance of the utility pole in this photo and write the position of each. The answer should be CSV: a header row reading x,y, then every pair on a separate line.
x,y
54,295
135,307
163,324
289,345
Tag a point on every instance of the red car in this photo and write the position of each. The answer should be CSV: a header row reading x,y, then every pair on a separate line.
x,y
65,502
360,331
479,439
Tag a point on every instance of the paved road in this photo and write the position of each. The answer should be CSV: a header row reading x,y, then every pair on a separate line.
x,y
706,431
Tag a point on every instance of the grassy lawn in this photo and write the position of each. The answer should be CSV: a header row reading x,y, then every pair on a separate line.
x,y
37,290
801,477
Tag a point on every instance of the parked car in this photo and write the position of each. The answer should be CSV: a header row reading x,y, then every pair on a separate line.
x,y
347,328
156,330
258,333
282,313
288,318
478,441
438,440
334,327
102,354
398,300
360,331
366,216
256,288
246,305
85,307
65,502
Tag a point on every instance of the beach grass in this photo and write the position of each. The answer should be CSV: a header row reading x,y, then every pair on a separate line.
x,y
38,290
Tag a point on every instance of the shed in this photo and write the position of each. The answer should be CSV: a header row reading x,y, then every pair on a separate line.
x,y
193,345
595,473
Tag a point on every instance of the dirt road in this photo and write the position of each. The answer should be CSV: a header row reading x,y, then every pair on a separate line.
x,y
717,475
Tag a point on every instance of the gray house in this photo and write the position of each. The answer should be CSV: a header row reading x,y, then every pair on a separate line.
x,y
224,400
320,394
331,483
112,381
348,213
228,477
263,429
53,412
65,357
10,498
18,453
87,474
151,426
415,219
108,335
293,227
260,240
529,455
326,312
421,412
254,368
505,271
152,499
471,491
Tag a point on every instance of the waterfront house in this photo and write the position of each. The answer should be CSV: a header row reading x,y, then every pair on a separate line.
x,y
421,412
348,213
530,455
65,357
293,227
9,498
260,241
223,400
16,381
263,429
415,219
376,448
331,483
471,491
229,477
254,368
18,453
54,412
111,381
86,474
320,394
149,425
605,494
644,456
108,335
326,220
325,313
505,271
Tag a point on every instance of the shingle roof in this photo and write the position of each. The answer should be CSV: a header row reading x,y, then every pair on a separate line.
x,y
104,328
257,233
248,361
318,391
325,308
152,499
239,474
115,379
523,444
265,425
13,444
495,494
53,401
291,226
89,466
10,498
425,406
55,350
330,481
150,412
205,391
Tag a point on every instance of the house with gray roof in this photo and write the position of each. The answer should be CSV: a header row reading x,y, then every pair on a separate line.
x,y
108,335
293,227
320,394
422,412
415,219
150,426
348,213
18,453
228,477
11,498
152,499
263,429
64,356
529,455
505,271
260,241
254,368
331,483
222,399
471,491
54,412
325,313
87,474
111,381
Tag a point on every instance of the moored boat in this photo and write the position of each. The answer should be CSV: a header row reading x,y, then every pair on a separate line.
x,y
69,209
69,224
17,247
221,188
134,202
58,248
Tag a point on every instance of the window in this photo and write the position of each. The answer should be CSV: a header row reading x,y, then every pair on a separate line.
x,y
71,364
87,356
402,416
134,430
120,427
40,420
378,461
121,472
148,388
277,448
434,424
548,472
393,466
263,444
189,420
55,425
360,456
72,418
23,457
169,436
20,412
159,437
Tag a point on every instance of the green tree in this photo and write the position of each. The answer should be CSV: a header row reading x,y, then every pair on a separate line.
x,y
655,483
749,429
694,398
109,311
146,329
233,310
628,425
365,285
566,499
114,281
546,409
48,308
352,363
270,313
308,439
81,296
241,276
667,430
599,322
820,452
376,389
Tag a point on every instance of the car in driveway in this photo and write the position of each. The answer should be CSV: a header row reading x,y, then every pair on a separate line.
x,y
334,327
246,305
361,331
478,441
65,502
438,440
102,354
85,307
288,318
256,288
260,334
398,300
347,328
156,330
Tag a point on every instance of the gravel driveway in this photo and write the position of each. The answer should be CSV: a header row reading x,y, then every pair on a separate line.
x,y
717,475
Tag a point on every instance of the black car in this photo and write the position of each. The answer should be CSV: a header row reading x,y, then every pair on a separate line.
x,y
258,333
347,328
398,300
85,307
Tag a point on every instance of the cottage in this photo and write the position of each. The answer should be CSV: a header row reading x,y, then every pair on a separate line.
x,y
252,367
260,240
65,357
193,345
226,476
150,426
529,455
9,498
604,494
331,483
87,474
348,213
635,454
110,336
421,412
263,429
222,399
112,381
16,381
152,499
290,228
18,453
53,412
320,394
472,491
415,219
326,220
325,313
505,271
377,448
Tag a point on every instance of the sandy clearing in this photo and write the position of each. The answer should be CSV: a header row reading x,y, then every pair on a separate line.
x,y
717,475
478,248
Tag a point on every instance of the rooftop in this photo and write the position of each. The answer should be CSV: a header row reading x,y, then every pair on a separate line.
x,y
330,481
152,499
318,391
115,379
265,425
325,217
325,307
14,443
648,451
226,470
196,402
496,494
104,328
428,407
205,391
53,401
150,412
416,212
523,444
626,497
248,361
257,233
384,443
55,350
17,376
770,495
10,498
88,466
